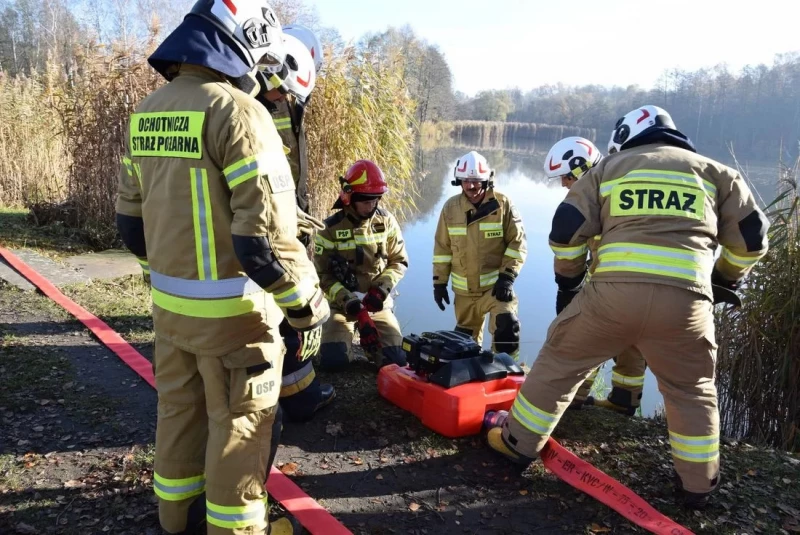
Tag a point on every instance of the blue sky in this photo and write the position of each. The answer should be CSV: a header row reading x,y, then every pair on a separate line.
x,y
525,43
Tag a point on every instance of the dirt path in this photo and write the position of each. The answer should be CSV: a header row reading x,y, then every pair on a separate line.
x,y
78,427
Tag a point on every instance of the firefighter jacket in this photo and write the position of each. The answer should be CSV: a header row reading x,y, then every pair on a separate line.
x,y
204,168
661,211
474,245
288,118
373,248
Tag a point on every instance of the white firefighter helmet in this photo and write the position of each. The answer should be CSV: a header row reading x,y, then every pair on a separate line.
x,y
472,166
571,156
297,74
310,39
252,25
633,123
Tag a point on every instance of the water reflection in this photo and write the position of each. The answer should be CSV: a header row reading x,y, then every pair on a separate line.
x,y
519,175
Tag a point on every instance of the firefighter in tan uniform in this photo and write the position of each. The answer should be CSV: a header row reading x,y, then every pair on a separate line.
x,y
288,89
360,257
206,196
480,246
568,160
662,210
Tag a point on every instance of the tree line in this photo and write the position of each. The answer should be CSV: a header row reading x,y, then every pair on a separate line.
x,y
755,110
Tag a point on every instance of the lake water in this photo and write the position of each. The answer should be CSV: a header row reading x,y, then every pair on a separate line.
x,y
519,175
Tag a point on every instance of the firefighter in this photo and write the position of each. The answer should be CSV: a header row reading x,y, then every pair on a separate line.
x,y
480,245
661,209
288,90
360,257
568,160
205,196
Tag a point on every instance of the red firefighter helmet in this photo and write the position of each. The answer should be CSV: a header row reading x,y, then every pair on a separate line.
x,y
364,180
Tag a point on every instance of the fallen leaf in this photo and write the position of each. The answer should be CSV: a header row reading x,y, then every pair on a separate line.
x,y
523,492
385,459
289,469
357,460
379,476
459,513
73,484
786,480
25,528
751,472
413,506
597,528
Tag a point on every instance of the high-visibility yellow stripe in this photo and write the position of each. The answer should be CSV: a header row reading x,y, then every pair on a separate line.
x,y
740,261
694,449
212,244
656,260
457,231
533,418
490,226
205,245
198,240
459,282
348,245
297,295
144,264
626,380
296,382
373,238
175,490
569,253
205,308
513,253
243,170
442,259
233,517
326,243
334,291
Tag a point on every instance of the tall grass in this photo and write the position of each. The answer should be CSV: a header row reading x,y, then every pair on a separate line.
x,y
34,160
361,109
61,136
759,343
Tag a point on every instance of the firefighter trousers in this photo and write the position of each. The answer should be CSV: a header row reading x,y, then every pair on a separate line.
x,y
674,330
336,351
627,380
214,435
504,325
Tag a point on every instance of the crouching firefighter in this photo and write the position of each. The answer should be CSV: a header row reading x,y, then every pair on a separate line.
x,y
568,160
480,246
206,197
360,257
287,91
662,210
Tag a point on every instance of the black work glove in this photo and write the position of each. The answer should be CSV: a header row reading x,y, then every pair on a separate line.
x,y
564,298
374,299
368,332
502,288
440,294
353,307
724,290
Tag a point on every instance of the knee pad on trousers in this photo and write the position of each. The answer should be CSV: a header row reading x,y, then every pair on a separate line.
x,y
277,429
624,398
394,355
506,333
333,356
